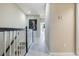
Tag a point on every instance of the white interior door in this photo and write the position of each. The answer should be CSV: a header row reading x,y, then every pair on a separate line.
x,y
42,32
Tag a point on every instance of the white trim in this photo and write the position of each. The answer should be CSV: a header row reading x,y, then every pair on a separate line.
x,y
62,54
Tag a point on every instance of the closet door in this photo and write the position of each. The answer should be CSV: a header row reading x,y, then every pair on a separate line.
x,y
62,31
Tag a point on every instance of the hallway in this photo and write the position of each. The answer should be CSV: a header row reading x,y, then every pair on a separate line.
x,y
39,29
39,48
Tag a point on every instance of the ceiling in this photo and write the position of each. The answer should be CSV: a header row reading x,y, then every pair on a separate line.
x,y
33,8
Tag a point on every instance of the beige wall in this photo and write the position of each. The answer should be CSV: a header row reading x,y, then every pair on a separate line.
x,y
61,28
11,16
77,28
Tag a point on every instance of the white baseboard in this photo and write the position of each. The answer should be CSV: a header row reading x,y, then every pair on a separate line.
x,y
77,53
62,54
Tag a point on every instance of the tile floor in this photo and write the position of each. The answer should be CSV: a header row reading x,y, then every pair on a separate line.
x,y
37,50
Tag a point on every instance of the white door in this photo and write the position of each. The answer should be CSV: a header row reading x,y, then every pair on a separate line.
x,y
42,32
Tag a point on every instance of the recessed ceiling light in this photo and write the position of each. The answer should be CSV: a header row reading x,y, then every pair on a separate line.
x,y
29,12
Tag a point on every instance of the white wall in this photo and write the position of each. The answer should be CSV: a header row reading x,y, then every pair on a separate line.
x,y
47,18
11,16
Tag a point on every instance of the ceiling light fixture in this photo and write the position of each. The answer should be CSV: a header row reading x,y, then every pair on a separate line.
x,y
29,12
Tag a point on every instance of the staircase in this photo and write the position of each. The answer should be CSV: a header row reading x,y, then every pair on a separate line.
x,y
13,42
